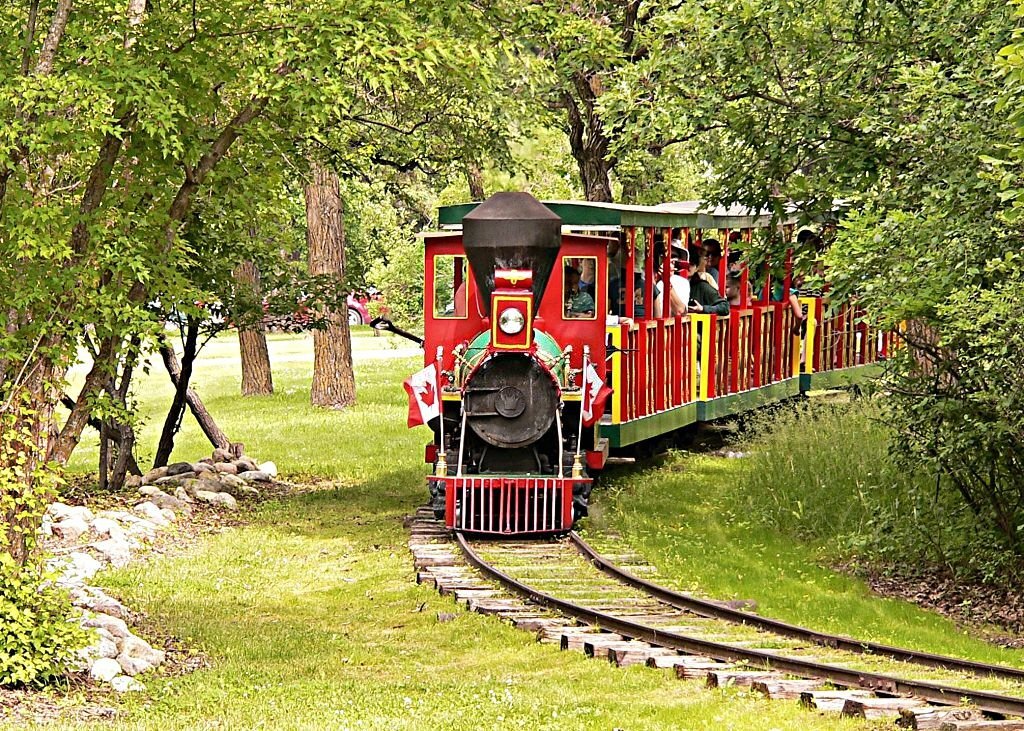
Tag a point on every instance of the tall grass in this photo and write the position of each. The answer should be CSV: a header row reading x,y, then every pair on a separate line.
x,y
824,472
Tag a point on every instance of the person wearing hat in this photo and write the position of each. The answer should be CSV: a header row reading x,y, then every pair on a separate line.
x,y
679,286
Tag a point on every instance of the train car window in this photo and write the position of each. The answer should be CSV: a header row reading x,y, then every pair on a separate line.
x,y
451,295
579,287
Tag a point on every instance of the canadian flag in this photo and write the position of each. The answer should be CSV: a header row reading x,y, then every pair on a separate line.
x,y
424,396
595,394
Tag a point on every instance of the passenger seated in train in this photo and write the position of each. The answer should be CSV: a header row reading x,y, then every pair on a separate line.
x,y
733,290
577,302
679,286
713,256
704,298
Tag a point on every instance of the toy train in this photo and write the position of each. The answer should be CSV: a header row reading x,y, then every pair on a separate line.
x,y
529,385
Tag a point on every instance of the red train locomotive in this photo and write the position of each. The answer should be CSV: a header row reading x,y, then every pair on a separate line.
x,y
521,352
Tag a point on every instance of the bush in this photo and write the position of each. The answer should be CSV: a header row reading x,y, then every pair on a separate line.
x,y
39,639
825,473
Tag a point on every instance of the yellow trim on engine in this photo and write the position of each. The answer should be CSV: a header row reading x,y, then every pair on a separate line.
x,y
496,333
615,363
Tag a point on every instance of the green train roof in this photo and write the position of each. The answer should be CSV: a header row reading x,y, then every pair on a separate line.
x,y
682,214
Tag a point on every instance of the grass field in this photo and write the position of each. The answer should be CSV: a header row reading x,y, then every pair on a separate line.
x,y
310,618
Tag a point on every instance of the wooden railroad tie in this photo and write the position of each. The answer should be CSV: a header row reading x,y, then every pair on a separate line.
x,y
876,708
932,717
831,700
739,678
970,725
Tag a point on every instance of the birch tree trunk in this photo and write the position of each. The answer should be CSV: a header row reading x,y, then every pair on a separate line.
x,y
334,384
257,379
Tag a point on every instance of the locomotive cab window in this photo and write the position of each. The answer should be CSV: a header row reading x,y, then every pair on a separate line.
x,y
451,287
579,287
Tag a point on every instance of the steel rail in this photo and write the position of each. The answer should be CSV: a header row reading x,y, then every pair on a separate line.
x,y
934,692
715,610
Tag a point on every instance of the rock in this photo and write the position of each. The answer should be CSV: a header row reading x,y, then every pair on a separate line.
x,y
143,528
190,487
201,467
107,528
178,479
137,656
152,513
116,551
221,455
231,480
150,490
270,468
131,481
124,684
178,468
183,495
153,475
248,491
103,647
113,625
76,568
122,516
210,478
254,476
169,502
70,529
59,512
105,669
244,464
218,499
226,468
96,600
168,514
46,528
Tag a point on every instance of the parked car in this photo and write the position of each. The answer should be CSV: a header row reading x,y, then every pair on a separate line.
x,y
357,312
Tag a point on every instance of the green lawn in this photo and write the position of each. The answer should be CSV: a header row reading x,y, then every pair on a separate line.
x,y
310,617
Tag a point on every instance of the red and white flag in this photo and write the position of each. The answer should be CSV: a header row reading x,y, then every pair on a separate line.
x,y
595,394
424,396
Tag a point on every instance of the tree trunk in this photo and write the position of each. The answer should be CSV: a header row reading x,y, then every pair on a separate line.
x,y
334,384
252,340
195,404
475,180
587,139
177,410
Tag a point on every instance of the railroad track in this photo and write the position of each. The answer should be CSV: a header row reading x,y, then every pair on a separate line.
x,y
569,594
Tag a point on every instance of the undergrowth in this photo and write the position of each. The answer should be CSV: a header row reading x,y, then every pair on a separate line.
x,y
824,472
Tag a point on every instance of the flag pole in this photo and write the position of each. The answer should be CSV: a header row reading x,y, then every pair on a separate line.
x,y
442,461
577,462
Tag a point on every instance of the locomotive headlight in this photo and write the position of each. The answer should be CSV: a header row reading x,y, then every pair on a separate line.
x,y
511,321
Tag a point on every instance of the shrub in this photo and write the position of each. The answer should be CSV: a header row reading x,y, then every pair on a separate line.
x,y
39,638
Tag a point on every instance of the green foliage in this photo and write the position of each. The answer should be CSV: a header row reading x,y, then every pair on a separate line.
x,y
39,638
911,115
829,474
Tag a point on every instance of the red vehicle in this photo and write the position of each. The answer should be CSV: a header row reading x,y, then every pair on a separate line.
x,y
357,312
522,360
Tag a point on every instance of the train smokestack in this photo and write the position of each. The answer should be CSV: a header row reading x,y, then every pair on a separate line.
x,y
511,231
